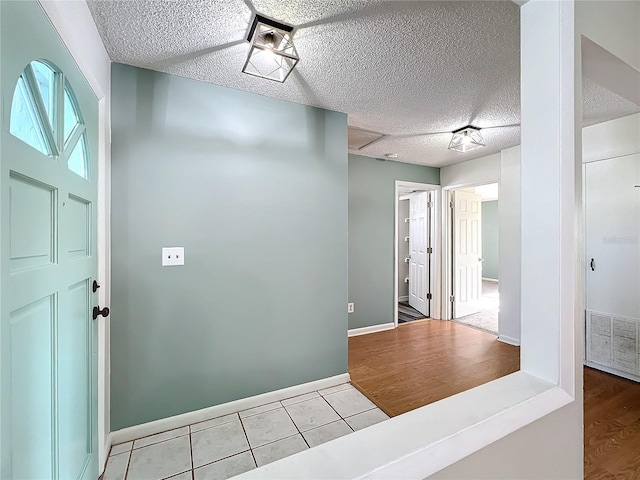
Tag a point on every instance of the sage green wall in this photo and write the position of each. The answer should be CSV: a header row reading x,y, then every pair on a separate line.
x,y
371,228
255,189
490,220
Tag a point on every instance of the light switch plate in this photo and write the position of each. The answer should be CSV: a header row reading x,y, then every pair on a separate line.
x,y
172,256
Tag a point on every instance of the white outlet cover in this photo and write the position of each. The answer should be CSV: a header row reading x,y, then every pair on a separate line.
x,y
172,256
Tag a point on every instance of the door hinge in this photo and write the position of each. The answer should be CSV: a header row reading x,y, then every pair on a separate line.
x,y
429,296
430,250
452,298
451,205
429,204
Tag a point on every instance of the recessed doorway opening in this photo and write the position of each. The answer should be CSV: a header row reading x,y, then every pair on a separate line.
x,y
475,294
416,267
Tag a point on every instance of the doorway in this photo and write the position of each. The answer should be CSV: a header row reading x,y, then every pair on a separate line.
x,y
416,263
475,296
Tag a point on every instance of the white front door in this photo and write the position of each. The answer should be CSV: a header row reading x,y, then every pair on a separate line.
x,y
467,248
418,257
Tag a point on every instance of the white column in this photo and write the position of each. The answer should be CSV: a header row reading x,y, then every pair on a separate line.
x,y
551,190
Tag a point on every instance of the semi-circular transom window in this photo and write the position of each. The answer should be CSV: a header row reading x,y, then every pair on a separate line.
x,y
45,115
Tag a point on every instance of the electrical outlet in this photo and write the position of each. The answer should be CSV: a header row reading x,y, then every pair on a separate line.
x,y
350,308
172,256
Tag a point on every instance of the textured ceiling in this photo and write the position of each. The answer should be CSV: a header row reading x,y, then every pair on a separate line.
x,y
400,68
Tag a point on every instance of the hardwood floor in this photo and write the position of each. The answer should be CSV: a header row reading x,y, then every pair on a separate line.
x,y
425,361
611,426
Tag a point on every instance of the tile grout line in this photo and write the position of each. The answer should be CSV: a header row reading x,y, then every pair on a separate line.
x,y
296,425
248,443
341,417
193,473
126,470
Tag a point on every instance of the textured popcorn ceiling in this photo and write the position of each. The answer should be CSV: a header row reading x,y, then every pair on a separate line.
x,y
400,68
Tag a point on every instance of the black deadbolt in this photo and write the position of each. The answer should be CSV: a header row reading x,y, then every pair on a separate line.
x,y
97,312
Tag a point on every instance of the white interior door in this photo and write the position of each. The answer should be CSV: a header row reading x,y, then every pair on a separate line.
x,y
612,248
467,253
418,258
612,229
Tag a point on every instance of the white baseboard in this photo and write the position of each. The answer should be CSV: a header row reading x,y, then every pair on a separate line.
x,y
177,421
612,371
404,298
354,332
495,280
509,340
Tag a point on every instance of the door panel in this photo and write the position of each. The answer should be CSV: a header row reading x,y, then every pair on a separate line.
x,y
612,232
467,261
74,335
48,404
31,333
418,258
612,248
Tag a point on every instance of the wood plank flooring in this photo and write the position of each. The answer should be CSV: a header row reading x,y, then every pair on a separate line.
x,y
425,361
611,426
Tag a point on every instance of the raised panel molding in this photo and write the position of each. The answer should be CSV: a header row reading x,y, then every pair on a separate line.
x,y
78,215
32,330
32,211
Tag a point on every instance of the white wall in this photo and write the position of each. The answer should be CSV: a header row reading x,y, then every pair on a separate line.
x,y
75,26
616,138
612,24
509,242
471,173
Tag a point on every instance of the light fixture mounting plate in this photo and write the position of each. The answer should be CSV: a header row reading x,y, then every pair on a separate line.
x,y
257,18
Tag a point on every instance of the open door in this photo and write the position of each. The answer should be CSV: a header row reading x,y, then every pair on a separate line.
x,y
48,259
467,256
418,252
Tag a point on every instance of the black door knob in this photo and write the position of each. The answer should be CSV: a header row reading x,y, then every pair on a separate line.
x,y
97,312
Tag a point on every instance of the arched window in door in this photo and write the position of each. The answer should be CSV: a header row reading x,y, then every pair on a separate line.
x,y
46,116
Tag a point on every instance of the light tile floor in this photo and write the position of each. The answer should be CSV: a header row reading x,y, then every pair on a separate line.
x,y
226,446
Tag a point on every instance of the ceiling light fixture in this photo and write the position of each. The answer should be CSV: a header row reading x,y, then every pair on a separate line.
x,y
465,139
273,54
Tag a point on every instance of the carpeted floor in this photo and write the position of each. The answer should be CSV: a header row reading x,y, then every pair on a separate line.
x,y
487,318
406,313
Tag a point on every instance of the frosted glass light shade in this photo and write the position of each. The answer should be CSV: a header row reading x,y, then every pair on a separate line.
x,y
272,55
465,139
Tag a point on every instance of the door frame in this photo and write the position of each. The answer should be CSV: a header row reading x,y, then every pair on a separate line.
x,y
447,244
436,239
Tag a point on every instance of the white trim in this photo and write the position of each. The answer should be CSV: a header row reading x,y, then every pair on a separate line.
x,y
509,340
436,244
354,332
404,298
612,371
494,280
177,421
